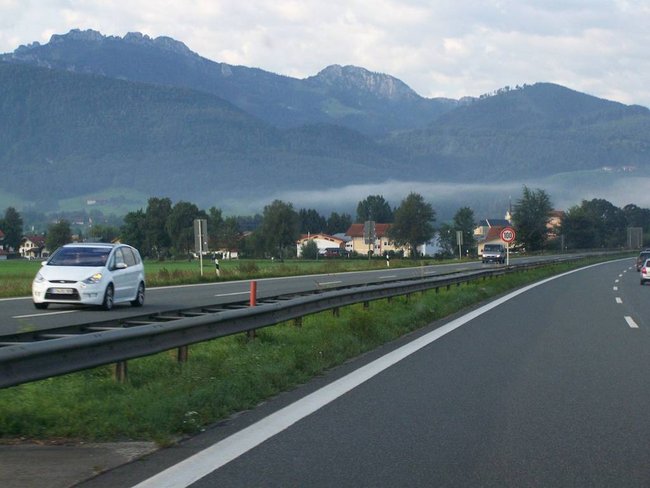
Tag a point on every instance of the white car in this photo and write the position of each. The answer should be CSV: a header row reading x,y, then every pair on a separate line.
x,y
645,272
90,274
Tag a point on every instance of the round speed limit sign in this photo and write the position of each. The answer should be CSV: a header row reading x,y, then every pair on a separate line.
x,y
508,234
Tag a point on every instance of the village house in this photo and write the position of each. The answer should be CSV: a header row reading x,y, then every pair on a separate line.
x,y
33,247
382,243
325,243
488,231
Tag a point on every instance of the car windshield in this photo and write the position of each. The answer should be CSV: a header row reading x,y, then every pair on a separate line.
x,y
80,256
492,248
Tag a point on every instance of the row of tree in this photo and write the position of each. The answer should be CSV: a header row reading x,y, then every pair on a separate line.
x,y
164,229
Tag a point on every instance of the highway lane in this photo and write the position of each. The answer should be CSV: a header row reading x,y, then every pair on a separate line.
x,y
19,314
547,388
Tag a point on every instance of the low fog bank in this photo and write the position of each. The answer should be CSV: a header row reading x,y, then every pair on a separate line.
x,y
489,200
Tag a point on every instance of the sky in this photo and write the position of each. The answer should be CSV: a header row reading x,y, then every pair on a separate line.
x,y
440,48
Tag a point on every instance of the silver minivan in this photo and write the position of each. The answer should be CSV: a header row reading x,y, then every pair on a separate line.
x,y
91,274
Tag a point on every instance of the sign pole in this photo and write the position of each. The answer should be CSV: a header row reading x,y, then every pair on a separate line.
x,y
508,236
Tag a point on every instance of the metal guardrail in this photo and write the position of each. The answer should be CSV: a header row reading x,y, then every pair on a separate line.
x,y
30,361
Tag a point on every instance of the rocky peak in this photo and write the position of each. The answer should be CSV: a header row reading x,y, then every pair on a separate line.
x,y
378,84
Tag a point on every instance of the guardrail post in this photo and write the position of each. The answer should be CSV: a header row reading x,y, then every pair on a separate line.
x,y
297,322
182,354
336,312
366,305
120,372
253,302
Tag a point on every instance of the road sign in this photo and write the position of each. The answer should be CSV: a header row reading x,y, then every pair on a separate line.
x,y
508,234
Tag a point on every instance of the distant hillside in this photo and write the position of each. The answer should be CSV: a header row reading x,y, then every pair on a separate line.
x,y
65,134
69,128
533,131
353,97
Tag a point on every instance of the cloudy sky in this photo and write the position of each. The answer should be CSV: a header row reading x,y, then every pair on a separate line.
x,y
448,48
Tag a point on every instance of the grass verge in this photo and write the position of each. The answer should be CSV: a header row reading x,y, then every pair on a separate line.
x,y
163,399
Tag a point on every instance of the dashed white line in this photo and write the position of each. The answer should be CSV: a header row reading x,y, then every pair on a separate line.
x,y
630,321
618,300
616,281
615,288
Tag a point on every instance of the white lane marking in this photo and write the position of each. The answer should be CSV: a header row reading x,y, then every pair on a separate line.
x,y
616,281
630,321
233,294
615,288
387,277
619,300
323,283
212,458
42,314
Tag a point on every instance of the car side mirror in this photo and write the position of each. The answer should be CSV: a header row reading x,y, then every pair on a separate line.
x,y
121,266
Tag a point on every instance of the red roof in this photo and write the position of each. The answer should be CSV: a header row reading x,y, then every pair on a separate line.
x,y
494,233
39,241
356,230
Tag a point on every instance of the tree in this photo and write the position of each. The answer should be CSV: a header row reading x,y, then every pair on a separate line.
x,y
531,215
609,221
338,223
279,228
311,222
374,208
447,238
180,226
57,235
215,222
12,227
133,231
103,233
579,229
157,240
230,235
464,222
413,223
309,250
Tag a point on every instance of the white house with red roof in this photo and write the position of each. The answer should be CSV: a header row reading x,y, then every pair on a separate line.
x,y
382,243
325,243
33,247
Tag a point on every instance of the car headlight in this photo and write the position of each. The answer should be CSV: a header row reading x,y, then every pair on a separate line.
x,y
96,278
39,278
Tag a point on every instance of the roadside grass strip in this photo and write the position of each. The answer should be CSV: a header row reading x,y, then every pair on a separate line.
x,y
164,400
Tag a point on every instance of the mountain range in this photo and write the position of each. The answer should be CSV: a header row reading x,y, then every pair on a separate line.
x,y
131,117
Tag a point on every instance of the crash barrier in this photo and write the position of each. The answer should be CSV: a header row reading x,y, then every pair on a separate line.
x,y
67,353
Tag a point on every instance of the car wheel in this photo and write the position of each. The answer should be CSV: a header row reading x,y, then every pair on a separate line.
x,y
108,298
139,298
41,306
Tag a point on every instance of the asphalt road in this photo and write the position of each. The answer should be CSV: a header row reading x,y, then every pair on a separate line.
x,y
548,387
19,314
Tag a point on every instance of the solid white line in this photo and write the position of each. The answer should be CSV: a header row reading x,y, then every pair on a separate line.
x,y
630,321
322,283
618,300
233,294
387,277
42,314
212,458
